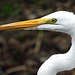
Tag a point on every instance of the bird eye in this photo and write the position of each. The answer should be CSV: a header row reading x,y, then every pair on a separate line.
x,y
51,21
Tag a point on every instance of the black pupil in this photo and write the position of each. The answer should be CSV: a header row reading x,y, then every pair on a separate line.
x,y
53,20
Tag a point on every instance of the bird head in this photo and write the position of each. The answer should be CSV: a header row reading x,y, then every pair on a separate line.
x,y
61,21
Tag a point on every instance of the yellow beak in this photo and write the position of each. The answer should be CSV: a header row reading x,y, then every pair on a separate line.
x,y
29,24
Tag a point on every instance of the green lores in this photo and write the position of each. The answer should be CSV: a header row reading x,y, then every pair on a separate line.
x,y
51,21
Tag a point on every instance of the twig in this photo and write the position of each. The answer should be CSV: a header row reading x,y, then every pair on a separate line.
x,y
38,43
15,69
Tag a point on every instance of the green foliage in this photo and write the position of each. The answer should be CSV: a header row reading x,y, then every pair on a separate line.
x,y
8,9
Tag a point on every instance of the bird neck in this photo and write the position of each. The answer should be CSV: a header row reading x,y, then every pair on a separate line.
x,y
59,62
72,49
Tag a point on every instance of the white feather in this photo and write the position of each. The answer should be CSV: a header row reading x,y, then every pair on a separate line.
x,y
60,62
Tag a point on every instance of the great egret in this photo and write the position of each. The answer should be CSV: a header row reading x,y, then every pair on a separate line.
x,y
61,21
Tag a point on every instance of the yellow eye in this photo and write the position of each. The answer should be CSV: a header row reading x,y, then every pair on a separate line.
x,y
54,20
51,21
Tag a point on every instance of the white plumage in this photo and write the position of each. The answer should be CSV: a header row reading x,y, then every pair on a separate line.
x,y
60,62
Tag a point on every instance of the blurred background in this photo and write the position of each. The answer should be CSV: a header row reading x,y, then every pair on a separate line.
x,y
22,52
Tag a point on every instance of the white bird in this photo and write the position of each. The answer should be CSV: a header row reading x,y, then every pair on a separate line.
x,y
61,21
